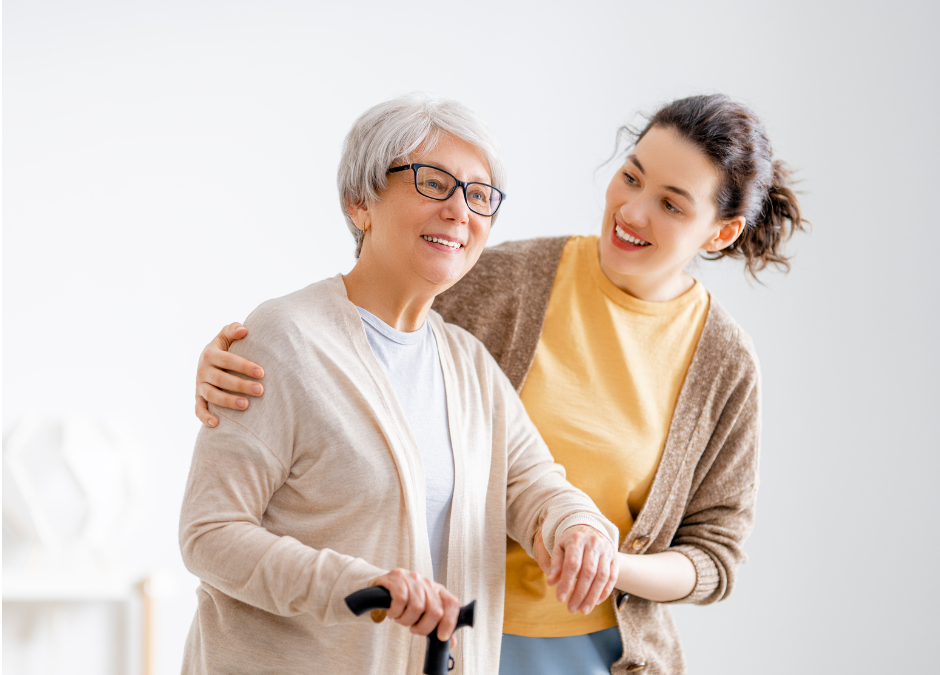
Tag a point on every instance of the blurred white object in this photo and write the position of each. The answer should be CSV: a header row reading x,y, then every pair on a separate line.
x,y
72,491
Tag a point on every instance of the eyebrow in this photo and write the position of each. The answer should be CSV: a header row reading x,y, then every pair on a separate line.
x,y
476,178
633,159
680,192
670,188
473,178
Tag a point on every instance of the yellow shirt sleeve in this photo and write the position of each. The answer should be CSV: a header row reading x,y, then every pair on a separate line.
x,y
602,390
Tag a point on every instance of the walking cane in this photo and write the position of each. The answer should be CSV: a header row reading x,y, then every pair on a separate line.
x,y
437,658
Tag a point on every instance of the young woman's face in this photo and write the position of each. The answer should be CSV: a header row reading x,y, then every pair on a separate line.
x,y
406,229
660,211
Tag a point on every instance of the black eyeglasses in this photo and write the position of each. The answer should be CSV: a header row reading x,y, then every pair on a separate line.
x,y
437,184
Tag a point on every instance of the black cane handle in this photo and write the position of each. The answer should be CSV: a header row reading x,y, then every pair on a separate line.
x,y
376,597
437,656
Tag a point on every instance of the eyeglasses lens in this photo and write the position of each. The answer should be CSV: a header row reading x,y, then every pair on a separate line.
x,y
480,198
434,183
437,184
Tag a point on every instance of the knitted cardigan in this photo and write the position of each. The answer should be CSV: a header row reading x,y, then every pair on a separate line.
x,y
318,487
702,500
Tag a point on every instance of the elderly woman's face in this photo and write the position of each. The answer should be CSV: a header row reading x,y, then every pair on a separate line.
x,y
406,228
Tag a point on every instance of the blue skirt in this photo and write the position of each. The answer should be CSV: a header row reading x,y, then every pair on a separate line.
x,y
590,654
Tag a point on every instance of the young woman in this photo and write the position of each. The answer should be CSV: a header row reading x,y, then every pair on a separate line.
x,y
642,385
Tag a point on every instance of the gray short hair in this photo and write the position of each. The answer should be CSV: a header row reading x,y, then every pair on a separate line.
x,y
386,134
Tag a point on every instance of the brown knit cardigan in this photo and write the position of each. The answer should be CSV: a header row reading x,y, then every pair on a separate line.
x,y
702,500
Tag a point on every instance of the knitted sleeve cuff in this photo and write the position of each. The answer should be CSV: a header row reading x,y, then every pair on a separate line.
x,y
707,577
598,523
356,576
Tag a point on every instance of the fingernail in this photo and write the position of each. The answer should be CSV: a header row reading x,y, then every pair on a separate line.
x,y
211,423
256,389
257,372
241,403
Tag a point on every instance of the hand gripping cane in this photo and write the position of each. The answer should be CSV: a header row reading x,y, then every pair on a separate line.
x,y
438,654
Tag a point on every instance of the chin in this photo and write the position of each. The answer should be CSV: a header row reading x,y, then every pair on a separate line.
x,y
442,278
445,272
619,263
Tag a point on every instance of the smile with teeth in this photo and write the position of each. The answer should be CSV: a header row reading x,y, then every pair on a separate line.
x,y
444,242
630,239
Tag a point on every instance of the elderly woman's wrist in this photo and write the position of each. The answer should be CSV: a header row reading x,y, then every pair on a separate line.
x,y
591,520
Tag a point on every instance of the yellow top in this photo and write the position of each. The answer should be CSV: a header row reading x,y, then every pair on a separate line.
x,y
602,390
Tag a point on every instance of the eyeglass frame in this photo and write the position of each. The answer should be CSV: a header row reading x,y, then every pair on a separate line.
x,y
457,184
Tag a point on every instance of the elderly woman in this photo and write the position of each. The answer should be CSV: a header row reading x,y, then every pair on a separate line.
x,y
389,448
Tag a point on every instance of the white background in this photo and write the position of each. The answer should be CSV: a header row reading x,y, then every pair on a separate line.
x,y
169,165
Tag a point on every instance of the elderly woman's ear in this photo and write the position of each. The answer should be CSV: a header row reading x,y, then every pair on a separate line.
x,y
359,214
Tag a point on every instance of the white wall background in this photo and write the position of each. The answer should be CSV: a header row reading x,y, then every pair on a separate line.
x,y
169,165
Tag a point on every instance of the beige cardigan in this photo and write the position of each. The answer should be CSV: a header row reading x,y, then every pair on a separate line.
x,y
318,488
702,500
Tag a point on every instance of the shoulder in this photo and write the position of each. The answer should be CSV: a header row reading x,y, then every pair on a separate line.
x,y
508,268
528,257
501,278
312,299
724,340
279,327
539,247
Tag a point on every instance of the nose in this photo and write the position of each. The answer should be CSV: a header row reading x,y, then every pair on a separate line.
x,y
455,207
636,211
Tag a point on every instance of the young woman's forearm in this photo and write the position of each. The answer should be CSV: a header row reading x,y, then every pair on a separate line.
x,y
660,577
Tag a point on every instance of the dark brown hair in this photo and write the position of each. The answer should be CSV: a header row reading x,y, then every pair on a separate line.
x,y
752,183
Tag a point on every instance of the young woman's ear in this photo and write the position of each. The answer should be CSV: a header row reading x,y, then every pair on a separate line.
x,y
728,231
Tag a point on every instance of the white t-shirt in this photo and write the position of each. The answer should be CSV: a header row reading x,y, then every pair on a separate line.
x,y
413,366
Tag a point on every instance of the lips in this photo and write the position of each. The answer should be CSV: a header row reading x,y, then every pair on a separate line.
x,y
450,243
621,237
625,236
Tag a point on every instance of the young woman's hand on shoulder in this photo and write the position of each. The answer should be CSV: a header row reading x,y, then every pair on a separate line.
x,y
215,385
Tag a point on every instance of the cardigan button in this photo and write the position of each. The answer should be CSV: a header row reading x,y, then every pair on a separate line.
x,y
636,667
640,542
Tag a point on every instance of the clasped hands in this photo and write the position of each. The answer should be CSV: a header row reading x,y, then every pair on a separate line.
x,y
583,565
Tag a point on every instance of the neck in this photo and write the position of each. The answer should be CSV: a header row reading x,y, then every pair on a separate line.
x,y
379,292
651,287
